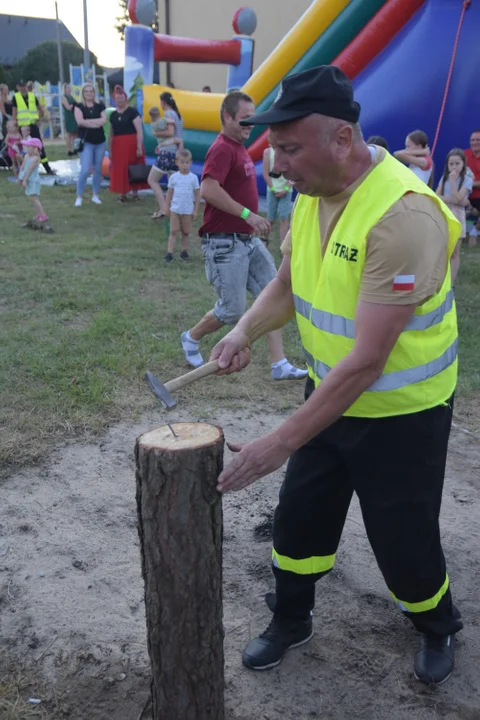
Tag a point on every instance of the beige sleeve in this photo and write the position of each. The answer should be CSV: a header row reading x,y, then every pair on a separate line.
x,y
412,239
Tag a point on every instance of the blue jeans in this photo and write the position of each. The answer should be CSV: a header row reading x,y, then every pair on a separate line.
x,y
90,157
234,266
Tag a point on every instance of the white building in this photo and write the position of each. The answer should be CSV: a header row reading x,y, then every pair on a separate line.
x,y
212,20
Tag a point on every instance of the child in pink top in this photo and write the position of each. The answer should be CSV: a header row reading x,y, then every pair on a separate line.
x,y
14,144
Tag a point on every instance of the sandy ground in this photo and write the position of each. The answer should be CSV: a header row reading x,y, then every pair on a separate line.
x,y
71,596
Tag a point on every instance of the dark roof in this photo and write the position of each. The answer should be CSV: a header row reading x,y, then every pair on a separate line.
x,y
18,34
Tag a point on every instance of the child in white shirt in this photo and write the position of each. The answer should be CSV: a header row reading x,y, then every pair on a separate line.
x,y
182,204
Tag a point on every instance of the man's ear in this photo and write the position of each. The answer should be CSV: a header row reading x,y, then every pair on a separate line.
x,y
344,139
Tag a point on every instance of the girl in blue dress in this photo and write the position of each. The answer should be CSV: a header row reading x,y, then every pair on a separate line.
x,y
29,177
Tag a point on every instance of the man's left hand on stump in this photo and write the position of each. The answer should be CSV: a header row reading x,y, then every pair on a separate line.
x,y
252,462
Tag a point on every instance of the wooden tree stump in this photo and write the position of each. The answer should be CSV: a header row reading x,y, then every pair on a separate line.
x,y
180,528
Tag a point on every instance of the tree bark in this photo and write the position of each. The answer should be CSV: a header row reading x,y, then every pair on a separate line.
x,y
180,528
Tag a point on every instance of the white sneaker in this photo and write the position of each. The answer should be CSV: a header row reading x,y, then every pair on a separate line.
x,y
191,350
96,200
78,202
286,371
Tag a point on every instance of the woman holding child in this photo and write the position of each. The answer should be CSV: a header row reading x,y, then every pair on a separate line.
x,y
170,140
125,145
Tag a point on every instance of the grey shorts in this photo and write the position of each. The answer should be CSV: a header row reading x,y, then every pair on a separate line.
x,y
234,266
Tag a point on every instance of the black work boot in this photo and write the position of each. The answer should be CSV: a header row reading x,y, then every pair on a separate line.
x,y
435,660
268,649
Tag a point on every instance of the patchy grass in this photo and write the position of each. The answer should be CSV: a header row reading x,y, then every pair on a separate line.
x,y
85,311
467,293
14,705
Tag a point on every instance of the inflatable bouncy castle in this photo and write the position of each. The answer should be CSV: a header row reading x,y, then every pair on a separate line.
x,y
413,64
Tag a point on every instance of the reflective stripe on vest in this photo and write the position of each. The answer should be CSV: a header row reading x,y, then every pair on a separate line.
x,y
305,566
26,115
400,378
338,325
423,605
421,369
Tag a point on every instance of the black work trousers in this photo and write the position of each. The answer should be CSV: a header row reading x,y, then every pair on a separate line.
x,y
35,133
396,466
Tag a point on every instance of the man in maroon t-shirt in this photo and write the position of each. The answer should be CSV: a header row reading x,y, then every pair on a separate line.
x,y
236,260
472,155
473,161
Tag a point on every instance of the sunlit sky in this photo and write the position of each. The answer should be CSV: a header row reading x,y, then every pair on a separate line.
x,y
103,39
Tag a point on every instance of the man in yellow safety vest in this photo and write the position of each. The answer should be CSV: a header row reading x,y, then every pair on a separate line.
x,y
366,273
27,110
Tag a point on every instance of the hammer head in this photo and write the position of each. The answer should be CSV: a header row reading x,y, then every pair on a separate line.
x,y
160,391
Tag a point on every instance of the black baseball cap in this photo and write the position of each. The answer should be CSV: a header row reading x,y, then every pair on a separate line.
x,y
21,83
324,89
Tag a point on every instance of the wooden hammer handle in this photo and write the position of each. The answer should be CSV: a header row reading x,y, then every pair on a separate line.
x,y
203,371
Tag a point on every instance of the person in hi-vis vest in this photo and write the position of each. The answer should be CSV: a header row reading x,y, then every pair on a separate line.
x,y
366,274
27,110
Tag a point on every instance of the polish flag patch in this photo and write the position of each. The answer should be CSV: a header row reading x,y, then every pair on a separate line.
x,y
403,282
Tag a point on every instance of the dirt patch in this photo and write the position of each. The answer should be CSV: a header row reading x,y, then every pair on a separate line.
x,y
71,595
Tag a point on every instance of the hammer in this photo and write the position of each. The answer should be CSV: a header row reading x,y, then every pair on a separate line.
x,y
163,390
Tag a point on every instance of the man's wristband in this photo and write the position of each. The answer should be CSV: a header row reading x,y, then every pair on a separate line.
x,y
245,213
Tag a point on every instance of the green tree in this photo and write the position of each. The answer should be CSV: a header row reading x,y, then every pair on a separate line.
x,y
5,75
41,62
124,19
137,85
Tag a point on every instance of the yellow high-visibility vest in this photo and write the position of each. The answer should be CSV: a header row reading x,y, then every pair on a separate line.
x,y
421,371
26,114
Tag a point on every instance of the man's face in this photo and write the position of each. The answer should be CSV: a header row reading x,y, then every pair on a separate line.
x,y
312,153
22,89
475,143
231,126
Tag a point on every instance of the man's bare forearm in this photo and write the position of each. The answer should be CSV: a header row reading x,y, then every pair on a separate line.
x,y
221,200
271,310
